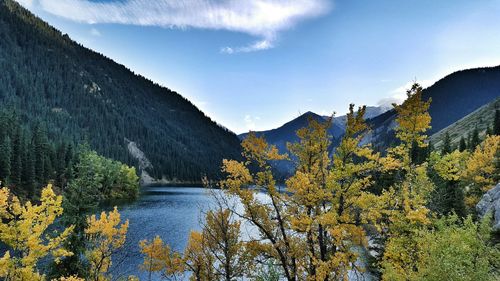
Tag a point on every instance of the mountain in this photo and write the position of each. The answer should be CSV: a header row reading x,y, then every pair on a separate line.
x,y
371,112
76,94
482,118
287,133
453,97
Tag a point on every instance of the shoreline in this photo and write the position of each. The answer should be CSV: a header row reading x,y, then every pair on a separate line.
x,y
174,184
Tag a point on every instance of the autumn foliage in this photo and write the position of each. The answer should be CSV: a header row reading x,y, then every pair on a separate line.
x,y
23,227
320,224
333,219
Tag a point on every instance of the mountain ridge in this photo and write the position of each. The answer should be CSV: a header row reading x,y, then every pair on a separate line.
x,y
81,95
453,97
286,132
480,119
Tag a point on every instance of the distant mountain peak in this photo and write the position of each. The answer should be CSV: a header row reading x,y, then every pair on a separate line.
x,y
309,113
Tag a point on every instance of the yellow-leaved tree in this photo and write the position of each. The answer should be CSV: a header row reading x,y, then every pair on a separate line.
x,y
23,228
197,260
406,212
310,198
413,120
70,278
275,240
158,257
221,235
447,172
215,253
314,230
450,166
482,169
329,198
105,236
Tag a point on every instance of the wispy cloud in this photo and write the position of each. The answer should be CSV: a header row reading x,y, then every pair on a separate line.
x,y
263,19
95,32
256,46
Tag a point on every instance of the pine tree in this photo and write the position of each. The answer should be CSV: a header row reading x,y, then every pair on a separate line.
x,y
489,131
446,144
474,139
69,160
79,200
496,123
16,159
81,196
5,156
40,145
449,194
28,170
418,154
462,146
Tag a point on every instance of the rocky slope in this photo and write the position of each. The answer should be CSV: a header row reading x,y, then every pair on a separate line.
x,y
490,203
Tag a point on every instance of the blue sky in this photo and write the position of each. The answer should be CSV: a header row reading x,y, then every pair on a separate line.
x,y
255,64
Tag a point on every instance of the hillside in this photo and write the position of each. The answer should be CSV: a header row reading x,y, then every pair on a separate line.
x,y
287,132
480,119
82,96
453,97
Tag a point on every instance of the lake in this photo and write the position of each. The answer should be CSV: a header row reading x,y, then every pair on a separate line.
x,y
170,212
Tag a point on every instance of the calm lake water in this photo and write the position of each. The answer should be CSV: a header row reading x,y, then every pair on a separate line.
x,y
170,212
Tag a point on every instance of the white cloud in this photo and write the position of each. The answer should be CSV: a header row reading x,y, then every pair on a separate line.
x,y
256,46
95,32
398,95
263,19
250,122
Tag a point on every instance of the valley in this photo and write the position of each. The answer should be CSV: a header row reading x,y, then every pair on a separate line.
x,y
107,175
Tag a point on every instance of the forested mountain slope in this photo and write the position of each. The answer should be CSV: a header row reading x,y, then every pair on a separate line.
x,y
453,97
481,120
79,95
